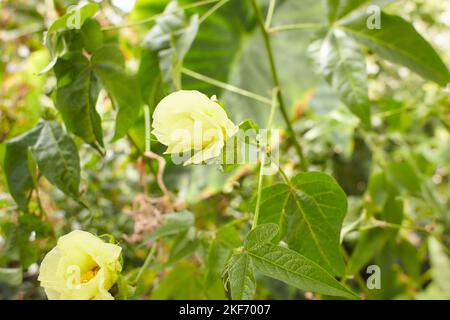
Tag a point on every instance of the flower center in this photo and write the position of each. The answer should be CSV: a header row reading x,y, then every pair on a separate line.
x,y
87,276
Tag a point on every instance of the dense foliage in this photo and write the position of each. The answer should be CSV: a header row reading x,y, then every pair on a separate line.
x,y
361,190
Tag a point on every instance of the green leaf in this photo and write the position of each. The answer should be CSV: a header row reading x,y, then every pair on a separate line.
x,y
58,46
184,245
340,8
149,77
399,42
167,43
29,223
440,265
78,87
239,275
369,244
248,124
109,65
184,282
91,35
57,158
29,251
242,147
11,276
55,154
76,96
261,235
295,269
411,260
229,235
249,67
18,176
310,213
174,223
340,60
217,258
124,289
58,39
74,18
403,175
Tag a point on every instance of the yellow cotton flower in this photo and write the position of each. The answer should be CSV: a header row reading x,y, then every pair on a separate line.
x,y
80,267
187,121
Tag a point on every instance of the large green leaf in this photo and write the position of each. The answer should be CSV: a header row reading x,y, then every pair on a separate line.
x,y
313,207
398,41
341,61
55,154
340,8
251,70
217,258
369,244
76,96
74,18
240,277
165,47
262,234
75,23
109,65
403,175
57,158
18,176
295,269
79,83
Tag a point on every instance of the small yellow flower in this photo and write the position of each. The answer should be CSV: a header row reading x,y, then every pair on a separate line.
x,y
187,121
80,267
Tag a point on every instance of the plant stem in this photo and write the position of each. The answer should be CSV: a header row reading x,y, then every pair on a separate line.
x,y
263,159
297,26
216,7
276,81
270,14
226,86
147,261
153,18
147,127
258,195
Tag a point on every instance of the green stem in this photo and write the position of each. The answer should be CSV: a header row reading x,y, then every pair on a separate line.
x,y
258,196
284,175
270,14
226,86
147,261
297,26
153,18
276,81
216,7
147,127
263,159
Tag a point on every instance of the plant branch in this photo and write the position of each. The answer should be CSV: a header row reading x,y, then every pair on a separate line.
x,y
270,14
161,167
296,26
258,195
156,16
226,86
263,160
216,7
147,261
147,127
276,81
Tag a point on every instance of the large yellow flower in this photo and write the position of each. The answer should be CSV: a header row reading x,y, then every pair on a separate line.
x,y
80,267
187,121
